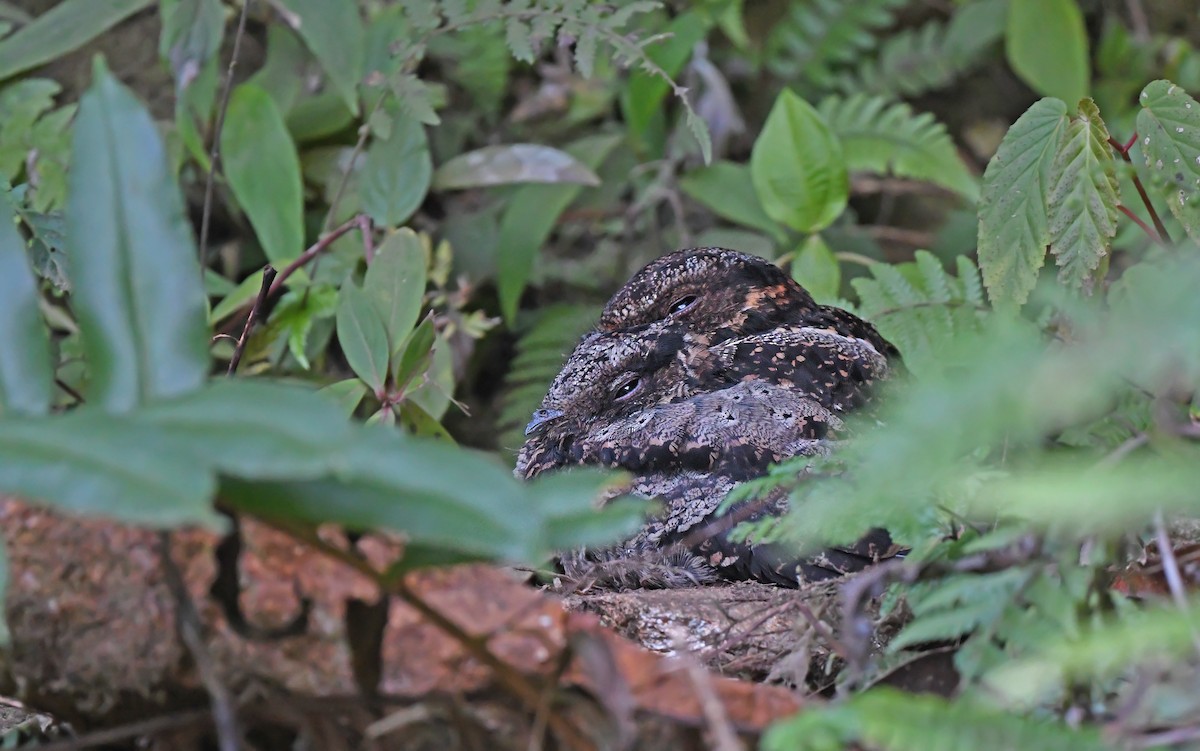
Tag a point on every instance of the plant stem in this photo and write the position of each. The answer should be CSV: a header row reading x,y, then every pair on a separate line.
x,y
263,292
1123,149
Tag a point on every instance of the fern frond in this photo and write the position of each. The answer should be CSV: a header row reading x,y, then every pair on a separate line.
x,y
921,308
819,36
889,137
886,719
541,351
932,56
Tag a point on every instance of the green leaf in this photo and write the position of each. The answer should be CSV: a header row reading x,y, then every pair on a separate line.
x,y
255,429
1169,126
191,36
884,137
395,284
417,349
1083,198
26,369
334,31
396,173
817,270
530,217
1046,44
138,297
363,337
65,27
92,462
434,392
798,168
512,163
888,720
1014,229
727,189
347,394
264,172
5,636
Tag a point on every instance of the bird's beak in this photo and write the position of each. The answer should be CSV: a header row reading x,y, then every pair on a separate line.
x,y
541,417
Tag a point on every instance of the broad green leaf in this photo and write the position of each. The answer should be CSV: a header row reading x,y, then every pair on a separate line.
x,y
191,36
264,172
255,429
396,173
1014,229
26,369
363,337
728,190
1169,126
334,31
347,394
296,313
65,27
798,168
1083,198
395,284
416,356
138,297
643,95
513,163
1046,44
437,386
242,295
817,270
101,464
531,214
886,137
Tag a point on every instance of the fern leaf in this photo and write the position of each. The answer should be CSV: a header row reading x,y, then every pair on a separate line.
x,y
972,284
889,137
818,36
932,56
886,719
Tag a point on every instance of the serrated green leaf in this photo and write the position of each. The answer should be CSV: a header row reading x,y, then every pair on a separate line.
x,y
798,168
395,284
26,369
516,34
1083,198
138,297
1014,229
512,163
728,190
817,270
363,337
65,27
1046,44
1169,126
531,214
396,173
334,31
100,464
263,171
886,137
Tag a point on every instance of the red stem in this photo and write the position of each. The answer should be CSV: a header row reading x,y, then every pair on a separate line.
x,y
1123,149
318,247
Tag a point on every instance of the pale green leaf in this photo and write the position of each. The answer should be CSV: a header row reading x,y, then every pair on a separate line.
x,y
395,284
26,369
396,173
512,163
798,168
1046,44
1169,128
138,296
263,171
65,27
364,339
334,31
191,36
1014,228
817,270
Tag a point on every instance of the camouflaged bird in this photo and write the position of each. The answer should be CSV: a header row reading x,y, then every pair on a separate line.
x,y
724,294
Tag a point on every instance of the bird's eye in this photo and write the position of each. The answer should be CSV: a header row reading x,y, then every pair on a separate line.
x,y
683,304
626,388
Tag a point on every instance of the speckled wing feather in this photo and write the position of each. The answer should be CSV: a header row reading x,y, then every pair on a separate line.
x,y
736,431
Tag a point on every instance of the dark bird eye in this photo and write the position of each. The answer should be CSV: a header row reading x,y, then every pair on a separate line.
x,y
683,304
625,388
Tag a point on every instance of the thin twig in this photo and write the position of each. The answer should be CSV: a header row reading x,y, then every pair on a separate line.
x,y
214,153
187,620
365,226
1123,150
78,397
131,730
263,291
1172,574
1138,221
723,736
320,246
